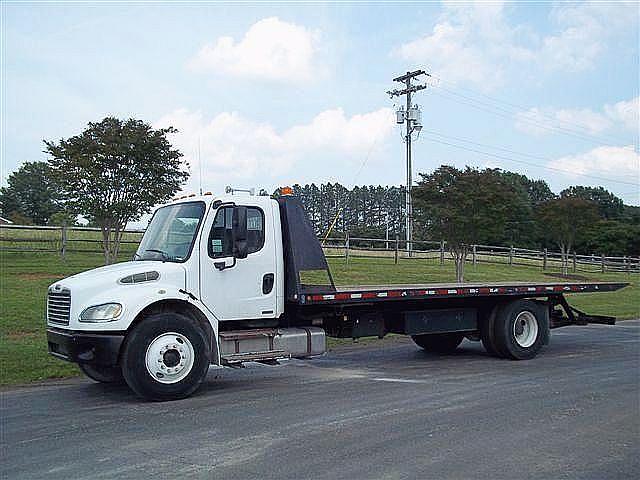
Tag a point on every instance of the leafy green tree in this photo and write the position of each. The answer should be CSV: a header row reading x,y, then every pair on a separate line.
x,y
31,194
114,172
565,221
609,206
464,207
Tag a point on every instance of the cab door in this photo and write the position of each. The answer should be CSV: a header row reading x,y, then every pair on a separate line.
x,y
239,288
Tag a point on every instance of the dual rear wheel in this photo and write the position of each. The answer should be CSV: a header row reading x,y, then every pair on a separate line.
x,y
515,330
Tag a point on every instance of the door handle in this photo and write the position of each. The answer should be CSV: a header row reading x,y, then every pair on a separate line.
x,y
267,283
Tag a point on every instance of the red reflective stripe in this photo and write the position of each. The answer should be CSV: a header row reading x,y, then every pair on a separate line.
x,y
342,296
395,293
368,295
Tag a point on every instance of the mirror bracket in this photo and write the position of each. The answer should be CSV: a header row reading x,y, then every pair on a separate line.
x,y
223,265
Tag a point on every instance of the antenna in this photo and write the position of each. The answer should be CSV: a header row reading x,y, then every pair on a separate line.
x,y
199,166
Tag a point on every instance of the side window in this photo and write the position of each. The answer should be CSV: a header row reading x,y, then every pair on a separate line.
x,y
220,239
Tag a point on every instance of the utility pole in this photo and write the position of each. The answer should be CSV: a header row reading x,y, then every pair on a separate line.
x,y
413,118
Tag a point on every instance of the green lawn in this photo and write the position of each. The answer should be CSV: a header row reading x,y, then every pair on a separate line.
x,y
24,278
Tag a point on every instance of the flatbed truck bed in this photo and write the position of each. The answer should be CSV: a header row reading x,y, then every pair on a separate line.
x,y
368,293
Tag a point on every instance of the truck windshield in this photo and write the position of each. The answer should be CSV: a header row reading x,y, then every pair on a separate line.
x,y
171,233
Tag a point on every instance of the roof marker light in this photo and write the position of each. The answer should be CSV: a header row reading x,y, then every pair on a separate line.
x,y
286,191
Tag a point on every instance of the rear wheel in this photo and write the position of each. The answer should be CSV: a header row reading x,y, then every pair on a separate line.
x,y
520,330
102,374
487,335
165,357
439,342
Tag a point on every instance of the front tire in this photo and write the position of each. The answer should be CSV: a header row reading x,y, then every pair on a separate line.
x,y
102,374
165,357
439,342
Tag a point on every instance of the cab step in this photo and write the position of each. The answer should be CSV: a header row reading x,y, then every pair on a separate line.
x,y
253,356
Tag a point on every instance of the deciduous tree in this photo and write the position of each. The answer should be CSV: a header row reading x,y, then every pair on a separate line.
x,y
30,194
565,220
114,172
464,207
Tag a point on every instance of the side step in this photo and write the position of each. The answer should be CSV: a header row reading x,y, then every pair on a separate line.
x,y
253,356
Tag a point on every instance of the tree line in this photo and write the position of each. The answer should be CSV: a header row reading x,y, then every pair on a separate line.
x,y
489,206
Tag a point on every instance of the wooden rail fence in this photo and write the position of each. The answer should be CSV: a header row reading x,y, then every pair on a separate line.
x,y
64,240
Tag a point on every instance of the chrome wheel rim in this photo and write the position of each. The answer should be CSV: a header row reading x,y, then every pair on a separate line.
x,y
525,329
169,357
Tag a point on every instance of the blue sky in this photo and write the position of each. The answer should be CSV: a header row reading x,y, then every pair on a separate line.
x,y
277,94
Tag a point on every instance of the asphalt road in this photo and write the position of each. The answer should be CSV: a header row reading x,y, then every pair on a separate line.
x,y
389,411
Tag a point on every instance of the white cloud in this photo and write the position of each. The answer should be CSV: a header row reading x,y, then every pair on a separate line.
x,y
271,49
476,44
233,147
625,112
621,163
613,117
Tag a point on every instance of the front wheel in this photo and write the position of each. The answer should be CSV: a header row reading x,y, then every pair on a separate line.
x,y
166,357
439,342
101,373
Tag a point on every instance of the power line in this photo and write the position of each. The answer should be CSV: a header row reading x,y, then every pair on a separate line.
x,y
517,108
510,159
509,114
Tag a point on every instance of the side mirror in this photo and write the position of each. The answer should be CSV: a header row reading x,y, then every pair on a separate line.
x,y
239,232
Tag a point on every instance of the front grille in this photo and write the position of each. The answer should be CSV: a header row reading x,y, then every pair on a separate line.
x,y
59,306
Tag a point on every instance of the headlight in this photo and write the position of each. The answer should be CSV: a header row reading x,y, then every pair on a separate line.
x,y
101,313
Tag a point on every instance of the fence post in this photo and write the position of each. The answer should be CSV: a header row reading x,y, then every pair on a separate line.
x,y
63,240
544,260
441,252
602,263
474,255
575,261
511,256
346,247
397,247
626,263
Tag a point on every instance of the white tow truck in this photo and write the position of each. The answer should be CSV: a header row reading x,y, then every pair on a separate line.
x,y
230,279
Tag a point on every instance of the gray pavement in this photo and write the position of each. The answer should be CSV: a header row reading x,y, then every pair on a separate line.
x,y
382,411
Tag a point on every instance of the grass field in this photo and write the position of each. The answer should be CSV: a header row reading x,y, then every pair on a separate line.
x,y
24,278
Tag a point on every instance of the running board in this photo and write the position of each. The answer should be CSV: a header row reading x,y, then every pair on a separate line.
x,y
253,356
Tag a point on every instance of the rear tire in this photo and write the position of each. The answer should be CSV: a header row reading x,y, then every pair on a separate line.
x,y
521,329
165,357
439,342
102,374
487,335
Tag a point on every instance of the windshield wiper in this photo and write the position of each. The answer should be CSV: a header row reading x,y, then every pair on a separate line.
x,y
165,256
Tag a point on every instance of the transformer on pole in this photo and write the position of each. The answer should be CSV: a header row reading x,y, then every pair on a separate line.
x,y
412,116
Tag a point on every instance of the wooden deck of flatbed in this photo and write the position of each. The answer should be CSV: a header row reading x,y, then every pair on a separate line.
x,y
369,293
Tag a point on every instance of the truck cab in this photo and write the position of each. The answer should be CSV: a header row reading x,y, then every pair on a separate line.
x,y
204,259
